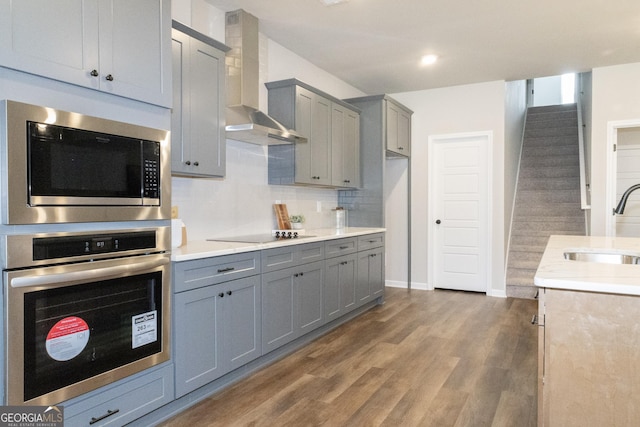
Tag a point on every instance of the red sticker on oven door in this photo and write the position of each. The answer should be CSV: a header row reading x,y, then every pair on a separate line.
x,y
67,338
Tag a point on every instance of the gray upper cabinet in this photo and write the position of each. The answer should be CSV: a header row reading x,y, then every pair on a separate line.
x,y
114,46
345,147
398,129
198,143
330,158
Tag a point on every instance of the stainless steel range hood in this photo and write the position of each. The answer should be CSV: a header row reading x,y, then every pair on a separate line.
x,y
244,121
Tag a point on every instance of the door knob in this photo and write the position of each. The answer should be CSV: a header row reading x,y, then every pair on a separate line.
x,y
438,221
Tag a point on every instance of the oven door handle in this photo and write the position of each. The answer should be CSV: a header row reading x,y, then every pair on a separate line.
x,y
84,275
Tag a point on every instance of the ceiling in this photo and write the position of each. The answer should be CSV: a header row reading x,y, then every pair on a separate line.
x,y
376,45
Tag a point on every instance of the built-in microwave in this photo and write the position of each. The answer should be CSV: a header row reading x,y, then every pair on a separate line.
x,y
61,167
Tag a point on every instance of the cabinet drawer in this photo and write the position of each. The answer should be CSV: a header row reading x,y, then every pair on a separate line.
x,y
291,256
131,398
204,272
341,247
370,241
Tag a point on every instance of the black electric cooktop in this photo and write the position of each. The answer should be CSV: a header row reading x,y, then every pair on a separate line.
x,y
260,238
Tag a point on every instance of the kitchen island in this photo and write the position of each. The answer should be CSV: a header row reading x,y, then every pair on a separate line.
x,y
589,336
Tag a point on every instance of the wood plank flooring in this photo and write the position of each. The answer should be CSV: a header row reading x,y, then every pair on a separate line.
x,y
424,358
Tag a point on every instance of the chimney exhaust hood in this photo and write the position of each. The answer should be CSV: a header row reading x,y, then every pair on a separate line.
x,y
244,121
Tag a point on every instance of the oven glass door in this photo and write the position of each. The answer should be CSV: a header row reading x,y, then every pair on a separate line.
x,y
76,335
71,166
77,332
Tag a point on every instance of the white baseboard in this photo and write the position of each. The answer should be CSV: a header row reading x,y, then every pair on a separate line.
x,y
400,284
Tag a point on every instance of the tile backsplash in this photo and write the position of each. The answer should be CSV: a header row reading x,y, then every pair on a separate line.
x,y
242,202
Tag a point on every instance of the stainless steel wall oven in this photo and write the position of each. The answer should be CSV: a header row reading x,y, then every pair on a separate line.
x,y
83,309
62,167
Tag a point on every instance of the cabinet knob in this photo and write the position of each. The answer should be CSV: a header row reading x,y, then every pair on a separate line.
x,y
109,78
188,163
400,148
94,73
221,294
196,164
229,292
295,275
438,221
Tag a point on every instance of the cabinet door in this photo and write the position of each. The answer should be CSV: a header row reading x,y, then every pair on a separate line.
x,y
370,282
180,113
278,302
313,118
398,130
309,282
240,321
57,39
404,133
340,286
198,142
196,339
135,49
345,147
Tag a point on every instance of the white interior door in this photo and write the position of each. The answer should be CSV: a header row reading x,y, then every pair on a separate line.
x,y
459,212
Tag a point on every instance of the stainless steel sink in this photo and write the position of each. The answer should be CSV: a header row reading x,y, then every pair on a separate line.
x,y
602,257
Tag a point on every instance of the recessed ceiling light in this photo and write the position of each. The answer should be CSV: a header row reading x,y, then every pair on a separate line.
x,y
429,59
332,2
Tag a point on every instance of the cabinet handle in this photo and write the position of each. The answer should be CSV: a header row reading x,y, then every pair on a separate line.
x,y
100,418
346,181
94,73
344,247
221,294
225,270
372,255
400,148
196,164
534,319
188,162
372,241
109,78
229,292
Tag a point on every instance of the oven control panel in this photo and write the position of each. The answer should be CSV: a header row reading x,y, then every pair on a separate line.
x,y
89,244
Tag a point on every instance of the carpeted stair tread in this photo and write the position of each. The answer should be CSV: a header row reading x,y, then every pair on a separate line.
x,y
548,193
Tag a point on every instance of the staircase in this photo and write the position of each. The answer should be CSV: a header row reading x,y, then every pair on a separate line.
x,y
548,193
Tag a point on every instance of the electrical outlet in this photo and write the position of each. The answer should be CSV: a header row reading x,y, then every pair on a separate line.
x,y
174,212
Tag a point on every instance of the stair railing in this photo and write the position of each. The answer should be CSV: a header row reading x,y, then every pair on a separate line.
x,y
584,184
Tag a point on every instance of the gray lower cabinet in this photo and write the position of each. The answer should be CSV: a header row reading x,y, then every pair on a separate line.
x,y
340,286
370,282
291,303
217,328
124,401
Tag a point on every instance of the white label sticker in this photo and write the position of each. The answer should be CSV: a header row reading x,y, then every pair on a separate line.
x,y
144,329
67,338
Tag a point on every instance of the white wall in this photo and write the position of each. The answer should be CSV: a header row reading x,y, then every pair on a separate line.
x,y
459,109
616,96
241,203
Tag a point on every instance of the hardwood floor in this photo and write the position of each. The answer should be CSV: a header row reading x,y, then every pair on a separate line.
x,y
424,358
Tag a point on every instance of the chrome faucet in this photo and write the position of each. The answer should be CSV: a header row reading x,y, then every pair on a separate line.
x,y
623,201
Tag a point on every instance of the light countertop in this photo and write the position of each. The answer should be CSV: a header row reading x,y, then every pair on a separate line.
x,y
198,249
556,272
